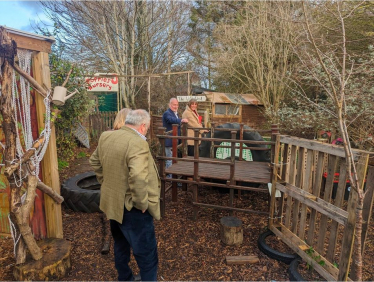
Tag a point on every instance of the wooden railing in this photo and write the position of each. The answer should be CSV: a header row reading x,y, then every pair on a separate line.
x,y
231,183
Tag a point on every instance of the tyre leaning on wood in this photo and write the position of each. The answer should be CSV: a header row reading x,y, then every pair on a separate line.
x,y
270,252
82,192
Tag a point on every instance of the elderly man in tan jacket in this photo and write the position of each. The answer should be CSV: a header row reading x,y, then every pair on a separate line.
x,y
130,194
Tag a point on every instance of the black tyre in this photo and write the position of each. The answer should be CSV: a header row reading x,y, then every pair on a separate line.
x,y
258,156
82,192
293,271
274,254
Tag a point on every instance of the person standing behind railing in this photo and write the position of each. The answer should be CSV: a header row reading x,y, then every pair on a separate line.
x,y
169,118
194,120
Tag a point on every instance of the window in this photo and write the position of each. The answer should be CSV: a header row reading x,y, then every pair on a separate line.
x,y
226,109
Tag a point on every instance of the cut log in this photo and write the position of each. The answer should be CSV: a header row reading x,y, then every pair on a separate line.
x,y
231,230
54,264
241,259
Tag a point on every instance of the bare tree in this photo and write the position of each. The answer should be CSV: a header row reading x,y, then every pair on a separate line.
x,y
254,55
124,37
326,61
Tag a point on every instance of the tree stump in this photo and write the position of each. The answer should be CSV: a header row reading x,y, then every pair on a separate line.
x,y
231,230
54,264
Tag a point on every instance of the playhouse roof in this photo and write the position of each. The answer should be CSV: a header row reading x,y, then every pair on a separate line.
x,y
231,98
30,41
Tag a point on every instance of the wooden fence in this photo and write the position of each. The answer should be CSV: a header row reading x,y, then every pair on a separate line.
x,y
100,122
312,216
103,121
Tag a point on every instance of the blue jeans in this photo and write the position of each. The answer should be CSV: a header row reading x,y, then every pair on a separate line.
x,y
168,163
137,232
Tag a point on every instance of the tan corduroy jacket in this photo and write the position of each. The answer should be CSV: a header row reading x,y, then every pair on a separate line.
x,y
127,172
193,121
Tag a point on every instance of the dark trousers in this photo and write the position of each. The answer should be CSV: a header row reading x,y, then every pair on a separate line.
x,y
190,150
137,232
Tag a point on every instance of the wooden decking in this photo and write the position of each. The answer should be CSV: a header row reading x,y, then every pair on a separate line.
x,y
253,172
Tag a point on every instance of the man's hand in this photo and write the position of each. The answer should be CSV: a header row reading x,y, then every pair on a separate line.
x,y
184,120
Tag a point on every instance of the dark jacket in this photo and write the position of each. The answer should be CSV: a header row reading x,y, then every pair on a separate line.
x,y
168,119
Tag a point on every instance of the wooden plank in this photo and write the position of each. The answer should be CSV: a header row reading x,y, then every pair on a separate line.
x,y
49,163
32,44
306,187
318,146
368,205
292,182
298,183
229,208
285,175
328,270
257,172
274,180
338,203
242,259
318,204
349,231
316,191
327,196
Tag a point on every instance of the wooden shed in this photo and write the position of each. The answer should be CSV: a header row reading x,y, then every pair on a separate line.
x,y
228,107
46,219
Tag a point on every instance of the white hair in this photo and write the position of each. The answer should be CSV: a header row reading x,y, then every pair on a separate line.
x,y
138,117
172,99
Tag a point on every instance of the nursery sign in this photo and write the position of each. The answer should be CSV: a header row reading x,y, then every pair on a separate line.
x,y
102,84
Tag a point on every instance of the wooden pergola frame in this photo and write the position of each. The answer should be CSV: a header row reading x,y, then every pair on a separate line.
x,y
153,75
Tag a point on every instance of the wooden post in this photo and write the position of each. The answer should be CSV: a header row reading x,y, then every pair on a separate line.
x,y
368,206
274,178
184,141
184,151
241,137
174,192
161,131
232,170
213,124
196,172
49,163
241,144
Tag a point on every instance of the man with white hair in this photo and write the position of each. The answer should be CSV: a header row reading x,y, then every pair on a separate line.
x,y
130,194
169,118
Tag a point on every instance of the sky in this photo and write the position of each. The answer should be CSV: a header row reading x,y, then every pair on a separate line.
x,y
21,14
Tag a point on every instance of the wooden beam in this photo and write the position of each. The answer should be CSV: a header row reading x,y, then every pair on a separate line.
x,y
318,146
49,164
327,270
318,204
241,259
32,44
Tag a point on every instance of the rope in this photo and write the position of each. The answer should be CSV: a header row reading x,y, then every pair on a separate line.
x,y
21,98
13,231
